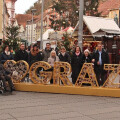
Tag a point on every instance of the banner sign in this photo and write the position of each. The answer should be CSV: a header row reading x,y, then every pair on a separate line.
x,y
41,73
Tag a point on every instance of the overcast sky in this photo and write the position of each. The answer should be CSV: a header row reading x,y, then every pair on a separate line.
x,y
22,5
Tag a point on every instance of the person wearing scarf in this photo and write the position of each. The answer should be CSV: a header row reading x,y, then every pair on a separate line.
x,y
6,55
76,64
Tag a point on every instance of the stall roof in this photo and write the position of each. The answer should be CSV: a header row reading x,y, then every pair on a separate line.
x,y
107,32
97,24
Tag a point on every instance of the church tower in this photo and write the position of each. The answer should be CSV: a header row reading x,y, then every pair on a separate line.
x,y
11,10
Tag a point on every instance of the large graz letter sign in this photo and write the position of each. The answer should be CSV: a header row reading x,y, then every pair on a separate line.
x,y
41,73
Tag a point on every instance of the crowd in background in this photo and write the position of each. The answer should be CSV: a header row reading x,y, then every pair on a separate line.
x,y
99,57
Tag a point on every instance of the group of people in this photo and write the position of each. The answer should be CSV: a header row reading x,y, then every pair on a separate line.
x,y
99,57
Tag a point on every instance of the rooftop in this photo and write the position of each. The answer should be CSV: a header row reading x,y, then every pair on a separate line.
x,y
23,18
104,7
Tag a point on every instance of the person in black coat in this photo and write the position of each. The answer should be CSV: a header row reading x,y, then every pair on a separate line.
x,y
86,58
76,63
64,56
35,55
6,55
21,54
100,57
5,76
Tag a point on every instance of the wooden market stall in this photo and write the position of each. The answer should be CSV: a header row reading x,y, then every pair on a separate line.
x,y
98,29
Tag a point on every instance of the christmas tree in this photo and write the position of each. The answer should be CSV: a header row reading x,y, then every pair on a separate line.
x,y
69,12
12,37
65,42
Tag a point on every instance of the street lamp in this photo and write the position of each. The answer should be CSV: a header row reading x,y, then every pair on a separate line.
x,y
32,11
80,33
42,10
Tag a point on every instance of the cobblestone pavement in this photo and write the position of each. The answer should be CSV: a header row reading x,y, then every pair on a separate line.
x,y
44,106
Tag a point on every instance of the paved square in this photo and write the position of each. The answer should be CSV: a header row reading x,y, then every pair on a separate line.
x,y
44,106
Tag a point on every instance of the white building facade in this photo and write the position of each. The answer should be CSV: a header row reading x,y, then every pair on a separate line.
x,y
30,33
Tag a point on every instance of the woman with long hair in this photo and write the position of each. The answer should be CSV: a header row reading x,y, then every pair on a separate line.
x,y
76,63
51,60
6,55
34,55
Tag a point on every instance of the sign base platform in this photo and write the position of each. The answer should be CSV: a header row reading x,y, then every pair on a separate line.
x,y
76,90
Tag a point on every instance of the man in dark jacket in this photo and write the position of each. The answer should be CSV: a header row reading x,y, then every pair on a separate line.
x,y
21,54
100,57
5,76
46,52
